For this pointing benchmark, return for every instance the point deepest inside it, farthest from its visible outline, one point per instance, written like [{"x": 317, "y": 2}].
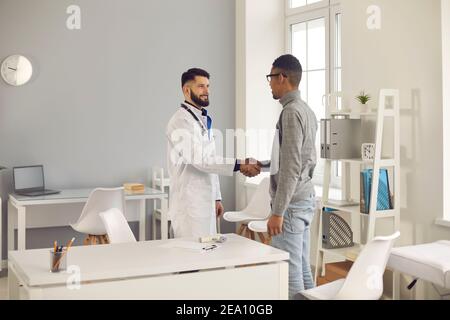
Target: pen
[{"x": 55, "y": 246}]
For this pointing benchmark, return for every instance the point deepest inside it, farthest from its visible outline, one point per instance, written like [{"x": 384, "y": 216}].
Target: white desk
[
  {"x": 239, "y": 269},
  {"x": 21, "y": 203}
]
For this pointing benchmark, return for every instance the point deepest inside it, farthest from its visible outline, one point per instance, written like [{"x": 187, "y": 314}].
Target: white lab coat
[{"x": 193, "y": 168}]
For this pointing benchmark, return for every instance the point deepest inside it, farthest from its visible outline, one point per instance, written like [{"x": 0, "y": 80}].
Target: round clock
[{"x": 16, "y": 70}]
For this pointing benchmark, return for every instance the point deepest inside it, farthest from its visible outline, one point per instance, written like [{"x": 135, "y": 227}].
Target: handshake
[{"x": 250, "y": 168}]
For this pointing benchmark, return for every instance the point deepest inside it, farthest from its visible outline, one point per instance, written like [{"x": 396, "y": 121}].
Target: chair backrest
[
  {"x": 100, "y": 199},
  {"x": 365, "y": 279},
  {"x": 259, "y": 205},
  {"x": 159, "y": 181},
  {"x": 116, "y": 226}
]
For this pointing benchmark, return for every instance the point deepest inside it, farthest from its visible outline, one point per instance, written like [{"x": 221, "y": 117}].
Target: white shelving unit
[{"x": 353, "y": 211}]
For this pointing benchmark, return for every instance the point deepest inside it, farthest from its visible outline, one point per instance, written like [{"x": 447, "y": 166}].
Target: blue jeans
[{"x": 295, "y": 239}]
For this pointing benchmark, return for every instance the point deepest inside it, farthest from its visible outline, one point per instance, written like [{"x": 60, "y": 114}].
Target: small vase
[{"x": 364, "y": 108}]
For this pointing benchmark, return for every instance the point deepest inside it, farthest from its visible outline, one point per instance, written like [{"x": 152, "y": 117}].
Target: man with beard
[{"x": 195, "y": 198}]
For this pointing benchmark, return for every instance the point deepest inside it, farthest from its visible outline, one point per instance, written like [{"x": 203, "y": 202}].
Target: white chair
[
  {"x": 364, "y": 280},
  {"x": 90, "y": 223},
  {"x": 260, "y": 227},
  {"x": 162, "y": 183},
  {"x": 116, "y": 226},
  {"x": 159, "y": 182},
  {"x": 257, "y": 209}
]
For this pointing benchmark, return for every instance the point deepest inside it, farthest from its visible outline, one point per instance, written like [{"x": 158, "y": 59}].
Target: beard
[{"x": 197, "y": 100}]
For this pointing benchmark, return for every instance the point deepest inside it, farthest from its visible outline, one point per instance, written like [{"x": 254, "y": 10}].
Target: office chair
[
  {"x": 260, "y": 227},
  {"x": 116, "y": 226},
  {"x": 90, "y": 223},
  {"x": 159, "y": 182},
  {"x": 257, "y": 209},
  {"x": 364, "y": 280}
]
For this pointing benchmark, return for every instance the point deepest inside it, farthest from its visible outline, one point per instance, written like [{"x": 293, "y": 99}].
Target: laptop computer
[{"x": 29, "y": 181}]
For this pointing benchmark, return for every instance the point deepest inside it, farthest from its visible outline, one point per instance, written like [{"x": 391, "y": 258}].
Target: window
[
  {"x": 301, "y": 3},
  {"x": 314, "y": 37}
]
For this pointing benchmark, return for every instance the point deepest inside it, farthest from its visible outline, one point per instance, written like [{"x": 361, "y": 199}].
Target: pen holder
[{"x": 58, "y": 261}]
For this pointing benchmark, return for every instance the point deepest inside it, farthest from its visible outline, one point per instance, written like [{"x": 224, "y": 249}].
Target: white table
[
  {"x": 21, "y": 204},
  {"x": 239, "y": 269}
]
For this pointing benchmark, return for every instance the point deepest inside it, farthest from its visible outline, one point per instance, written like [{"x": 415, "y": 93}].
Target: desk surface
[
  {"x": 79, "y": 195},
  {"x": 141, "y": 259}
]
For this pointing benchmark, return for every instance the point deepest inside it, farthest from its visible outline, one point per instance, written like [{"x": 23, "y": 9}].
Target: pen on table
[{"x": 210, "y": 247}]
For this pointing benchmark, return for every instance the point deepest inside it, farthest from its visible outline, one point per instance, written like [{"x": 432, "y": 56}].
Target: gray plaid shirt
[{"x": 295, "y": 159}]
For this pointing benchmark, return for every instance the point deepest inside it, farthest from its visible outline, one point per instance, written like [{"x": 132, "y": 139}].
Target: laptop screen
[{"x": 29, "y": 178}]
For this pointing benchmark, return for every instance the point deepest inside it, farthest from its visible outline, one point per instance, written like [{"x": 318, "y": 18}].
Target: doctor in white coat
[{"x": 195, "y": 198}]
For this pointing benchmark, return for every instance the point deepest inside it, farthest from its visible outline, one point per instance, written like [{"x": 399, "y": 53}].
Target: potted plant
[{"x": 363, "y": 98}]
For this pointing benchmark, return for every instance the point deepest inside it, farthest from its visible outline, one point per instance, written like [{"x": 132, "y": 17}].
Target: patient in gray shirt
[
  {"x": 296, "y": 136},
  {"x": 292, "y": 167}
]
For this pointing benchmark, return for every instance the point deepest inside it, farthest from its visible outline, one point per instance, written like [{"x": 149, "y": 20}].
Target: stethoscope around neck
[{"x": 200, "y": 123}]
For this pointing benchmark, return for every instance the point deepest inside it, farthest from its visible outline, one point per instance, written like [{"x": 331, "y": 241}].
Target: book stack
[
  {"x": 134, "y": 187},
  {"x": 384, "y": 198}
]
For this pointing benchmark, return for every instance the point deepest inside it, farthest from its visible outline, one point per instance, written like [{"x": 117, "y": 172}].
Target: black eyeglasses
[{"x": 269, "y": 76}]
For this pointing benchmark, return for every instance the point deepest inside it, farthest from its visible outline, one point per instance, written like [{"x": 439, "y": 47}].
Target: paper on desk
[{"x": 184, "y": 245}]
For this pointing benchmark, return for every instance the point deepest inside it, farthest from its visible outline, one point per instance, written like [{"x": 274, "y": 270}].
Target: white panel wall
[
  {"x": 446, "y": 110},
  {"x": 406, "y": 53},
  {"x": 260, "y": 40}
]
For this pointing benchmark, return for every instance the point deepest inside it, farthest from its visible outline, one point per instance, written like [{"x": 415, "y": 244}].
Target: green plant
[{"x": 363, "y": 98}]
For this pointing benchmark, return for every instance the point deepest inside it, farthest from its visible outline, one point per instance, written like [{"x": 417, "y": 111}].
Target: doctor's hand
[
  {"x": 251, "y": 168},
  {"x": 219, "y": 209},
  {"x": 275, "y": 225}
]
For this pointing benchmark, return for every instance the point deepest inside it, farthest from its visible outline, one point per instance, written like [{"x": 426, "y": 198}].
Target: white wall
[
  {"x": 260, "y": 40},
  {"x": 405, "y": 54},
  {"x": 446, "y": 109},
  {"x": 96, "y": 108}
]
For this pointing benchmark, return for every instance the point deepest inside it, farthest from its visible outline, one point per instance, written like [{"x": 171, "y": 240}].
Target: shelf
[
  {"x": 350, "y": 253},
  {"x": 363, "y": 225},
  {"x": 386, "y": 162},
  {"x": 353, "y": 114},
  {"x": 349, "y": 209},
  {"x": 356, "y": 210},
  {"x": 387, "y": 113}
]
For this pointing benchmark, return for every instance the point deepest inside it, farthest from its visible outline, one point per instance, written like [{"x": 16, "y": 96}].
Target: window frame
[
  {"x": 326, "y": 9},
  {"x": 303, "y": 9}
]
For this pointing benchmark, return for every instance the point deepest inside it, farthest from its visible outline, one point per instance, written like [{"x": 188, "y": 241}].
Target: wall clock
[{"x": 16, "y": 70}]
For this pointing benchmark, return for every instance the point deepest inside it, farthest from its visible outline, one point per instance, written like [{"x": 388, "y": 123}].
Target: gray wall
[{"x": 95, "y": 110}]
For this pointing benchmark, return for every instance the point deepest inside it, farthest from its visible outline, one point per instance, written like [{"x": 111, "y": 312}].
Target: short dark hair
[
  {"x": 292, "y": 68},
  {"x": 191, "y": 74}
]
